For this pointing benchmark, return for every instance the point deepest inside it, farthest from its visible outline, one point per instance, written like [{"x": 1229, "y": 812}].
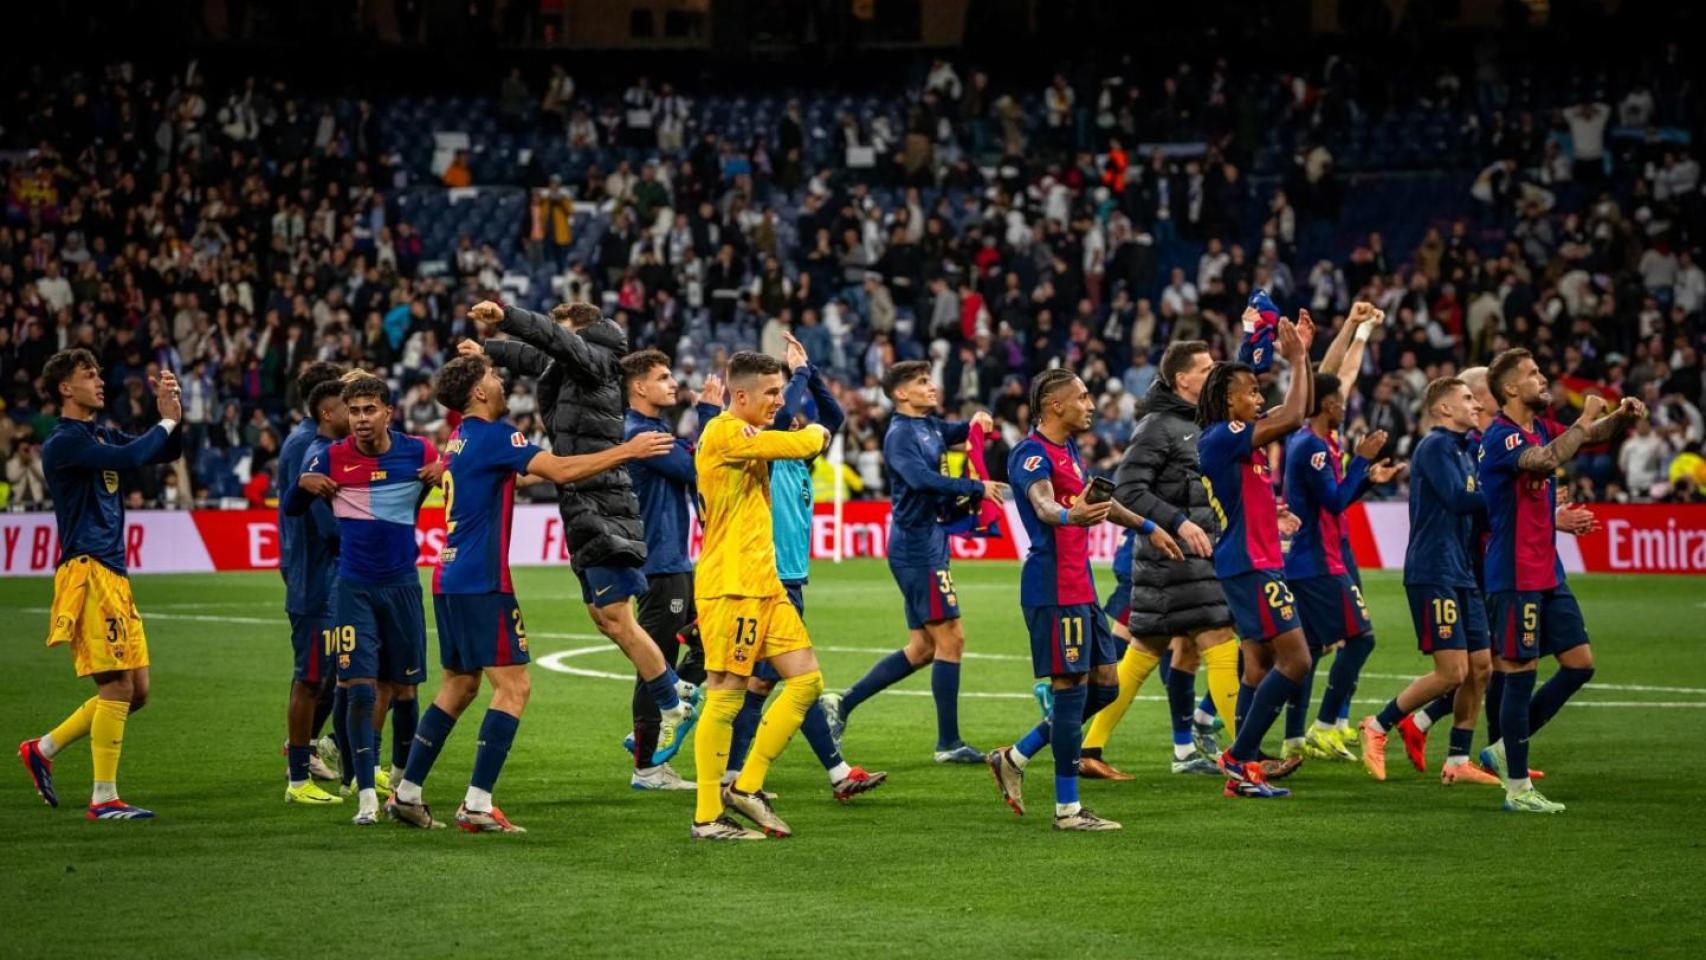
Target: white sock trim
[
  {"x": 105, "y": 791},
  {"x": 840, "y": 772},
  {"x": 46, "y": 745},
  {"x": 477, "y": 800}
]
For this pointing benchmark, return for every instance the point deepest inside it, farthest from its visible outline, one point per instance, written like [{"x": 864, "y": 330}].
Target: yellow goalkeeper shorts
[
  {"x": 94, "y": 612},
  {"x": 739, "y": 632}
]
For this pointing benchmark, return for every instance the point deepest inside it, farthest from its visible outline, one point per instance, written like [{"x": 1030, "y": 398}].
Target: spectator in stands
[
  {"x": 24, "y": 475},
  {"x": 458, "y": 174}
]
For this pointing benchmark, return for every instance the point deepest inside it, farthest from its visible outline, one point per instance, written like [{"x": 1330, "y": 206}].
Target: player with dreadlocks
[{"x": 1247, "y": 558}]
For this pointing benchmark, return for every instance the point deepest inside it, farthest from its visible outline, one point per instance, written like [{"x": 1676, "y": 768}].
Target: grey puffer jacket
[
  {"x": 582, "y": 405},
  {"x": 1159, "y": 479}
]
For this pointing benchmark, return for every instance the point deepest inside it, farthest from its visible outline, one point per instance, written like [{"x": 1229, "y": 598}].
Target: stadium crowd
[{"x": 232, "y": 233}]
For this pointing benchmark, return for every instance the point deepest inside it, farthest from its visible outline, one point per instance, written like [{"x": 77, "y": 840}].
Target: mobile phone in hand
[{"x": 1100, "y": 491}]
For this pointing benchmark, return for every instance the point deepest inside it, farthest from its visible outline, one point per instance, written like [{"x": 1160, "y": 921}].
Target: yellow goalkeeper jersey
[{"x": 738, "y": 556}]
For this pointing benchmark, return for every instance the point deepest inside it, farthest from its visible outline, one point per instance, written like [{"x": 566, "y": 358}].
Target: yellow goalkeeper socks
[
  {"x": 70, "y": 730},
  {"x": 1135, "y": 667},
  {"x": 781, "y": 721},
  {"x": 106, "y": 742},
  {"x": 711, "y": 739},
  {"x": 1221, "y": 664}
]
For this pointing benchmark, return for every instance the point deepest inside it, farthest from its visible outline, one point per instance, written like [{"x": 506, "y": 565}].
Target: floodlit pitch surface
[{"x": 932, "y": 864}]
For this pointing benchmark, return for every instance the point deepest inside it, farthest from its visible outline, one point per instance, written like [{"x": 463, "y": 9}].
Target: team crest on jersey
[
  {"x": 1031, "y": 463},
  {"x": 1444, "y": 632},
  {"x": 376, "y": 476},
  {"x": 109, "y": 479},
  {"x": 1513, "y": 441},
  {"x": 1236, "y": 426},
  {"x": 677, "y": 605},
  {"x": 517, "y": 440},
  {"x": 1319, "y": 460},
  {"x": 1256, "y": 356},
  {"x": 1528, "y": 639}
]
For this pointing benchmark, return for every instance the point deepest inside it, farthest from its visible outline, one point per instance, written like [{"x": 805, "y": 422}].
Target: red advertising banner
[{"x": 1647, "y": 538}]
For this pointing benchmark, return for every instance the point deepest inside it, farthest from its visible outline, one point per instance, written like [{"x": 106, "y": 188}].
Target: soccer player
[
  {"x": 1439, "y": 580},
  {"x": 1530, "y": 607},
  {"x": 92, "y": 606},
  {"x": 1070, "y": 641},
  {"x": 1319, "y": 488},
  {"x": 921, "y": 493},
  {"x": 744, "y": 614},
  {"x": 375, "y": 478},
  {"x": 576, "y": 354},
  {"x": 308, "y": 550},
  {"x": 664, "y": 486},
  {"x": 805, "y": 400},
  {"x": 1247, "y": 558},
  {"x": 480, "y": 629}
]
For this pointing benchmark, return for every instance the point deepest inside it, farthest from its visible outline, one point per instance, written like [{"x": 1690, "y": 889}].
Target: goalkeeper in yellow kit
[{"x": 744, "y": 613}]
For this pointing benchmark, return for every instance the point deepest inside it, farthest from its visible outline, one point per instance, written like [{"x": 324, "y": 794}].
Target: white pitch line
[{"x": 558, "y": 662}]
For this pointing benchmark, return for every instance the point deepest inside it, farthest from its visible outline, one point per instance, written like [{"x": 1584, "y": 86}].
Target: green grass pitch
[{"x": 931, "y": 865}]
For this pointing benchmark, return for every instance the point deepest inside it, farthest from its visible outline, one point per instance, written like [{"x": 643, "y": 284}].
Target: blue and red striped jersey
[
  {"x": 480, "y": 465},
  {"x": 1057, "y": 565},
  {"x": 375, "y": 505},
  {"x": 1522, "y": 553},
  {"x": 1241, "y": 491}
]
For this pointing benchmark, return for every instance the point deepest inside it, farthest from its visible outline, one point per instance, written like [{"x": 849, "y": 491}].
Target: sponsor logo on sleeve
[
  {"x": 517, "y": 440},
  {"x": 1236, "y": 426},
  {"x": 1319, "y": 460},
  {"x": 1031, "y": 463}
]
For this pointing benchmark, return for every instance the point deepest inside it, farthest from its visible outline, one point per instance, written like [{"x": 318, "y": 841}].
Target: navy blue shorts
[
  {"x": 1069, "y": 639},
  {"x": 1118, "y": 606},
  {"x": 311, "y": 642},
  {"x": 1262, "y": 605},
  {"x": 796, "y": 596},
  {"x": 1528, "y": 624},
  {"x": 479, "y": 630},
  {"x": 381, "y": 632},
  {"x": 603, "y": 586},
  {"x": 1331, "y": 608},
  {"x": 1448, "y": 618},
  {"x": 929, "y": 594}
]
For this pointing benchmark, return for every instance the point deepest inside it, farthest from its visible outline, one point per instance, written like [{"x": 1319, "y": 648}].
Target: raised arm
[
  {"x": 86, "y": 451},
  {"x": 1294, "y": 344},
  {"x": 793, "y": 397},
  {"x": 1563, "y": 448},
  {"x": 777, "y": 444},
  {"x": 902, "y": 453},
  {"x": 1335, "y": 495},
  {"x": 556, "y": 340},
  {"x": 829, "y": 412}
]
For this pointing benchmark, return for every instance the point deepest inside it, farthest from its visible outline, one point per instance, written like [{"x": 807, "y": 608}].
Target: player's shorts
[
  {"x": 94, "y": 612},
  {"x": 1118, "y": 607},
  {"x": 1069, "y": 639},
  {"x": 380, "y": 632},
  {"x": 1331, "y": 608},
  {"x": 1350, "y": 560},
  {"x": 739, "y": 632},
  {"x": 1448, "y": 618},
  {"x": 796, "y": 596},
  {"x": 603, "y": 586},
  {"x": 479, "y": 630},
  {"x": 1528, "y": 624},
  {"x": 928, "y": 593},
  {"x": 1262, "y": 605},
  {"x": 310, "y": 644},
  {"x": 666, "y": 608}
]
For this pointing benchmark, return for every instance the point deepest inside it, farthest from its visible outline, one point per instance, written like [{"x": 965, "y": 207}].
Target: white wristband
[
  {"x": 1363, "y": 330},
  {"x": 169, "y": 424}
]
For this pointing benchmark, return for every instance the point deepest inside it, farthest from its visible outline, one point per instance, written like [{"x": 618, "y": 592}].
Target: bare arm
[
  {"x": 1080, "y": 514},
  {"x": 1563, "y": 448},
  {"x": 573, "y": 468},
  {"x": 1352, "y": 344},
  {"x": 1160, "y": 538}
]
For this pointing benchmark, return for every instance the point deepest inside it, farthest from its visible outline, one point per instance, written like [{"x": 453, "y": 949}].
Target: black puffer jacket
[
  {"x": 1159, "y": 479},
  {"x": 582, "y": 405}
]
